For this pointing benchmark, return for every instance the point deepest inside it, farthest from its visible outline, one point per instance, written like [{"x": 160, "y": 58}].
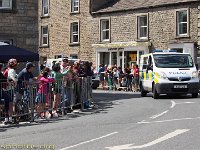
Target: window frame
[
  {"x": 72, "y": 33},
  {"x": 11, "y": 5},
  {"x": 138, "y": 18},
  {"x": 73, "y": 6},
  {"x": 44, "y": 35},
  {"x": 43, "y": 8},
  {"x": 10, "y": 42},
  {"x": 178, "y": 23},
  {"x": 104, "y": 30}
]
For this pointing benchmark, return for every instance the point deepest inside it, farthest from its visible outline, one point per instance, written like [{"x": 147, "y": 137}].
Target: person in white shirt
[{"x": 12, "y": 80}]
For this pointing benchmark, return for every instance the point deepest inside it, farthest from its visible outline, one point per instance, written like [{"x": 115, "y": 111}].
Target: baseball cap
[{"x": 29, "y": 65}]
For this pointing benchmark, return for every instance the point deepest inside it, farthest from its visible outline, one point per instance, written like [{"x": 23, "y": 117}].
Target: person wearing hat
[
  {"x": 25, "y": 77},
  {"x": 10, "y": 91}
]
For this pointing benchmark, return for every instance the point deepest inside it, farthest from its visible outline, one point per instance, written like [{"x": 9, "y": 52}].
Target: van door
[
  {"x": 143, "y": 68},
  {"x": 149, "y": 73}
]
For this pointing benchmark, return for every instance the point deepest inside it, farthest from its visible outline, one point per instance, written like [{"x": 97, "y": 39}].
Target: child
[{"x": 42, "y": 94}]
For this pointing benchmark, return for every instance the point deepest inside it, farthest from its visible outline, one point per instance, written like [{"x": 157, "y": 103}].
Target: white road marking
[
  {"x": 173, "y": 104},
  {"x": 186, "y": 103},
  {"x": 92, "y": 140},
  {"x": 156, "y": 116},
  {"x": 161, "y": 139},
  {"x": 145, "y": 122}
]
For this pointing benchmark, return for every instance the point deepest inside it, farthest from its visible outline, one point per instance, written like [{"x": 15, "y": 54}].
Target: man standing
[
  {"x": 25, "y": 77},
  {"x": 66, "y": 83}
]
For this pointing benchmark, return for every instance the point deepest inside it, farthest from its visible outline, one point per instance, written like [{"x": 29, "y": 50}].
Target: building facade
[
  {"x": 19, "y": 23},
  {"x": 65, "y": 29},
  {"x": 124, "y": 30}
]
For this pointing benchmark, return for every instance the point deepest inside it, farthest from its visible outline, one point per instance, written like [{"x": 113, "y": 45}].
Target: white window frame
[
  {"x": 178, "y": 22},
  {"x": 73, "y": 6},
  {"x": 45, "y": 6},
  {"x": 44, "y": 36},
  {"x": 74, "y": 33},
  {"x": 139, "y": 17},
  {"x": 6, "y": 7},
  {"x": 9, "y": 42},
  {"x": 103, "y": 31}
]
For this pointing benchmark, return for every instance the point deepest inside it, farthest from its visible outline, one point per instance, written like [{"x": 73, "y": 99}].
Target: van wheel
[
  {"x": 194, "y": 95},
  {"x": 155, "y": 94},
  {"x": 143, "y": 92}
]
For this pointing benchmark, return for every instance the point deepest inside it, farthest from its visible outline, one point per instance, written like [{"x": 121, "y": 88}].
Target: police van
[{"x": 168, "y": 72}]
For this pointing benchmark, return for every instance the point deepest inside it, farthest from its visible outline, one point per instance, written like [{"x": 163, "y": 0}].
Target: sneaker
[
  {"x": 49, "y": 116},
  {"x": 55, "y": 115},
  {"x": 36, "y": 115}
]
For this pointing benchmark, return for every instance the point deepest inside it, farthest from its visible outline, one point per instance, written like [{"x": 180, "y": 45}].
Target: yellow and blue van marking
[{"x": 152, "y": 76}]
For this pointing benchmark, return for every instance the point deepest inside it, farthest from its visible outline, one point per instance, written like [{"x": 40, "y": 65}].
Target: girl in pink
[{"x": 42, "y": 94}]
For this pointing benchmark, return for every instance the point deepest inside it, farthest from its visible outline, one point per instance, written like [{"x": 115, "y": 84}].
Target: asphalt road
[{"x": 119, "y": 121}]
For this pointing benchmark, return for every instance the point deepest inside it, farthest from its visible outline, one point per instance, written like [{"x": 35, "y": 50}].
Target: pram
[{"x": 123, "y": 84}]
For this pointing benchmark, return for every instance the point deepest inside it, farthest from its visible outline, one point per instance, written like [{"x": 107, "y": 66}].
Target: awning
[{"x": 22, "y": 55}]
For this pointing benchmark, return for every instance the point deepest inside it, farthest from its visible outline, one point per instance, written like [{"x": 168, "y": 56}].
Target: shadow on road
[{"x": 103, "y": 100}]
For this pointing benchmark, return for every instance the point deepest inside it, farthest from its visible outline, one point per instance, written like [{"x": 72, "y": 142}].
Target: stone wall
[
  {"x": 21, "y": 24},
  {"x": 162, "y": 26},
  {"x": 58, "y": 22}
]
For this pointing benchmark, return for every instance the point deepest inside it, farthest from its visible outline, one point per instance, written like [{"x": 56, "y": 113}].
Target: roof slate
[{"x": 120, "y": 5}]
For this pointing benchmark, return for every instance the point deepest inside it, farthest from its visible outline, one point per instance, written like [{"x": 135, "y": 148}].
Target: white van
[{"x": 167, "y": 72}]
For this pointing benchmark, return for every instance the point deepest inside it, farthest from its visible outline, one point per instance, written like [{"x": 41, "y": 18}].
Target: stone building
[
  {"x": 123, "y": 30},
  {"x": 19, "y": 23},
  {"x": 65, "y": 29}
]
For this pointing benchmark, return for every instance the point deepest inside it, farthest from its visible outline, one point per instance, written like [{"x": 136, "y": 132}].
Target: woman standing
[
  {"x": 57, "y": 75},
  {"x": 12, "y": 81},
  {"x": 136, "y": 78}
]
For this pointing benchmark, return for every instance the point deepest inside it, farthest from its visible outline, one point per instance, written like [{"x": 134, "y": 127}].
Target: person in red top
[
  {"x": 136, "y": 77},
  {"x": 5, "y": 73},
  {"x": 43, "y": 91}
]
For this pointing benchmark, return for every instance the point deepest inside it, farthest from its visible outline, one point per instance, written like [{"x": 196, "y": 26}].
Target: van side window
[
  {"x": 150, "y": 61},
  {"x": 145, "y": 63}
]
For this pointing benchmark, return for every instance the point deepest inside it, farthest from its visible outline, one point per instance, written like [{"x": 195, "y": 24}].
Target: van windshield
[{"x": 173, "y": 60}]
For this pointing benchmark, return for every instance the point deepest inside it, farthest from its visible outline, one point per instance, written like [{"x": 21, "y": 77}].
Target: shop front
[{"x": 123, "y": 54}]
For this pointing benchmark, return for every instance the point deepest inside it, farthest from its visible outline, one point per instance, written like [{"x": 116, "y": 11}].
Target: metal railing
[{"x": 25, "y": 102}]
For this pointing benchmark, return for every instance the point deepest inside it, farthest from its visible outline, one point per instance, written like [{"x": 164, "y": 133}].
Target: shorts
[
  {"x": 57, "y": 90},
  {"x": 101, "y": 78},
  {"x": 40, "y": 98},
  {"x": 136, "y": 81},
  {"x": 7, "y": 96}
]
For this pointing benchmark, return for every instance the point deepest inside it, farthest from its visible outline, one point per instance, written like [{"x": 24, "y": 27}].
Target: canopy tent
[{"x": 22, "y": 55}]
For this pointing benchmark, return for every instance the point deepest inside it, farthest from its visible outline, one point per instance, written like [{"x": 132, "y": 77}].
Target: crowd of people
[
  {"x": 52, "y": 84},
  {"x": 13, "y": 86},
  {"x": 115, "y": 78}
]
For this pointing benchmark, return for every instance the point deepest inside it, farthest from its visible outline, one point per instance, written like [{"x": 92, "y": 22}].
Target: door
[
  {"x": 149, "y": 73},
  {"x": 113, "y": 58}
]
